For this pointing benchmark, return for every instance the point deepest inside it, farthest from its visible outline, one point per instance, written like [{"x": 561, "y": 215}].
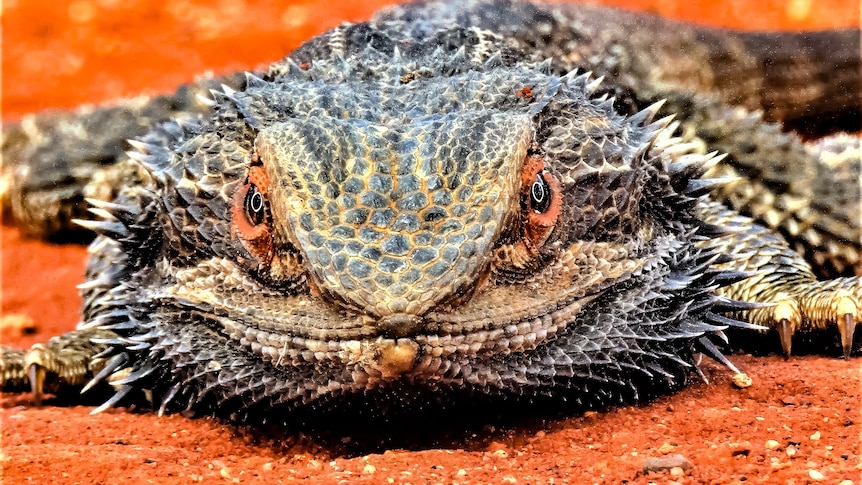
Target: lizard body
[{"x": 405, "y": 209}]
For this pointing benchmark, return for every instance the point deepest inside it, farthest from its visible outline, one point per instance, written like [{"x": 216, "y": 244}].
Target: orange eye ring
[
  {"x": 540, "y": 191},
  {"x": 250, "y": 217},
  {"x": 254, "y": 206}
]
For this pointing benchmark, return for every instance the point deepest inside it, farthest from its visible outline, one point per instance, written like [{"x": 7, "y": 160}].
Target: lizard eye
[
  {"x": 540, "y": 194},
  {"x": 254, "y": 206},
  {"x": 250, "y": 216},
  {"x": 541, "y": 200}
]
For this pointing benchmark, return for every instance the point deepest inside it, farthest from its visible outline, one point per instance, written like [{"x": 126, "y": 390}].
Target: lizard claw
[
  {"x": 39, "y": 361},
  {"x": 64, "y": 362},
  {"x": 846, "y": 328},
  {"x": 788, "y": 317},
  {"x": 785, "y": 333},
  {"x": 37, "y": 382},
  {"x": 840, "y": 308},
  {"x": 816, "y": 308}
]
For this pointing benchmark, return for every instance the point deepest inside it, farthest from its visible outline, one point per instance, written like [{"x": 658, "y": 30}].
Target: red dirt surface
[{"x": 798, "y": 423}]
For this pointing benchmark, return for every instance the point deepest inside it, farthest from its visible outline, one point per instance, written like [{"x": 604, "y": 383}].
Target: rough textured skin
[{"x": 422, "y": 209}]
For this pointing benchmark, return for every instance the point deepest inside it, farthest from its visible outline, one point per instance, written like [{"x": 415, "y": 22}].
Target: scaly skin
[{"x": 405, "y": 211}]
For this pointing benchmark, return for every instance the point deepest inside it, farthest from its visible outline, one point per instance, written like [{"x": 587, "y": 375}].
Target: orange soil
[{"x": 61, "y": 55}]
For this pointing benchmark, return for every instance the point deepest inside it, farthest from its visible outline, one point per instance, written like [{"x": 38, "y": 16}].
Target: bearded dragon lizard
[{"x": 453, "y": 199}]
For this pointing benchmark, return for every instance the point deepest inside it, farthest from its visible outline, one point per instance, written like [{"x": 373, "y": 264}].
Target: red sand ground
[{"x": 798, "y": 423}]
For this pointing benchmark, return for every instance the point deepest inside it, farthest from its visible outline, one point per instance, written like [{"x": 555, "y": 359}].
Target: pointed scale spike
[
  {"x": 105, "y": 205},
  {"x": 134, "y": 376},
  {"x": 227, "y": 90},
  {"x": 545, "y": 66},
  {"x": 101, "y": 282},
  {"x": 646, "y": 115},
  {"x": 698, "y": 187},
  {"x": 205, "y": 100},
  {"x": 683, "y": 149},
  {"x": 732, "y": 322},
  {"x": 101, "y": 214},
  {"x": 694, "y": 164},
  {"x": 496, "y": 60},
  {"x": 141, "y": 146},
  {"x": 252, "y": 81},
  {"x": 168, "y": 398},
  {"x": 716, "y": 354},
  {"x": 665, "y": 125},
  {"x": 114, "y": 230},
  {"x": 123, "y": 212},
  {"x": 141, "y": 158},
  {"x": 122, "y": 325},
  {"x": 217, "y": 95},
  {"x": 570, "y": 76},
  {"x": 339, "y": 60},
  {"x": 594, "y": 85},
  {"x": 712, "y": 159},
  {"x": 117, "y": 397},
  {"x": 584, "y": 78},
  {"x": 114, "y": 363},
  {"x": 438, "y": 53},
  {"x": 293, "y": 69},
  {"x": 728, "y": 277},
  {"x": 460, "y": 54},
  {"x": 724, "y": 304}
]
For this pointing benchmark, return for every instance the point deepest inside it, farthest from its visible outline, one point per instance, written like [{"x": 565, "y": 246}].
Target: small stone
[
  {"x": 845, "y": 482},
  {"x": 501, "y": 454},
  {"x": 267, "y": 467},
  {"x": 740, "y": 449},
  {"x": 815, "y": 475},
  {"x": 14, "y": 325},
  {"x": 369, "y": 469},
  {"x": 741, "y": 380},
  {"x": 654, "y": 464},
  {"x": 461, "y": 473},
  {"x": 772, "y": 444},
  {"x": 677, "y": 472},
  {"x": 791, "y": 451},
  {"x": 665, "y": 448},
  {"x": 815, "y": 436}
]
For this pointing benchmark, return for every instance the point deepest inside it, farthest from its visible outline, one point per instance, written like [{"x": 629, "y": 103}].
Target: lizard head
[
  {"x": 391, "y": 207},
  {"x": 392, "y": 218}
]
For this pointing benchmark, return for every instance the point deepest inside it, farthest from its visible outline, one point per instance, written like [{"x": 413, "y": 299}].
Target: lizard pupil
[
  {"x": 254, "y": 205},
  {"x": 540, "y": 195}
]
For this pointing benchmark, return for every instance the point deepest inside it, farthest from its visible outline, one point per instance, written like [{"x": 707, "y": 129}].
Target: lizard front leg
[
  {"x": 64, "y": 363},
  {"x": 798, "y": 301}
]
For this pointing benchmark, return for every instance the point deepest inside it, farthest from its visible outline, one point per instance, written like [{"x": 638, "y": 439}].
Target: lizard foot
[
  {"x": 817, "y": 306},
  {"x": 62, "y": 363}
]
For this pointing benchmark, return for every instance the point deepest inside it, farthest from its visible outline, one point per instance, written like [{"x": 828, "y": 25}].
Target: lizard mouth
[{"x": 303, "y": 328}]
